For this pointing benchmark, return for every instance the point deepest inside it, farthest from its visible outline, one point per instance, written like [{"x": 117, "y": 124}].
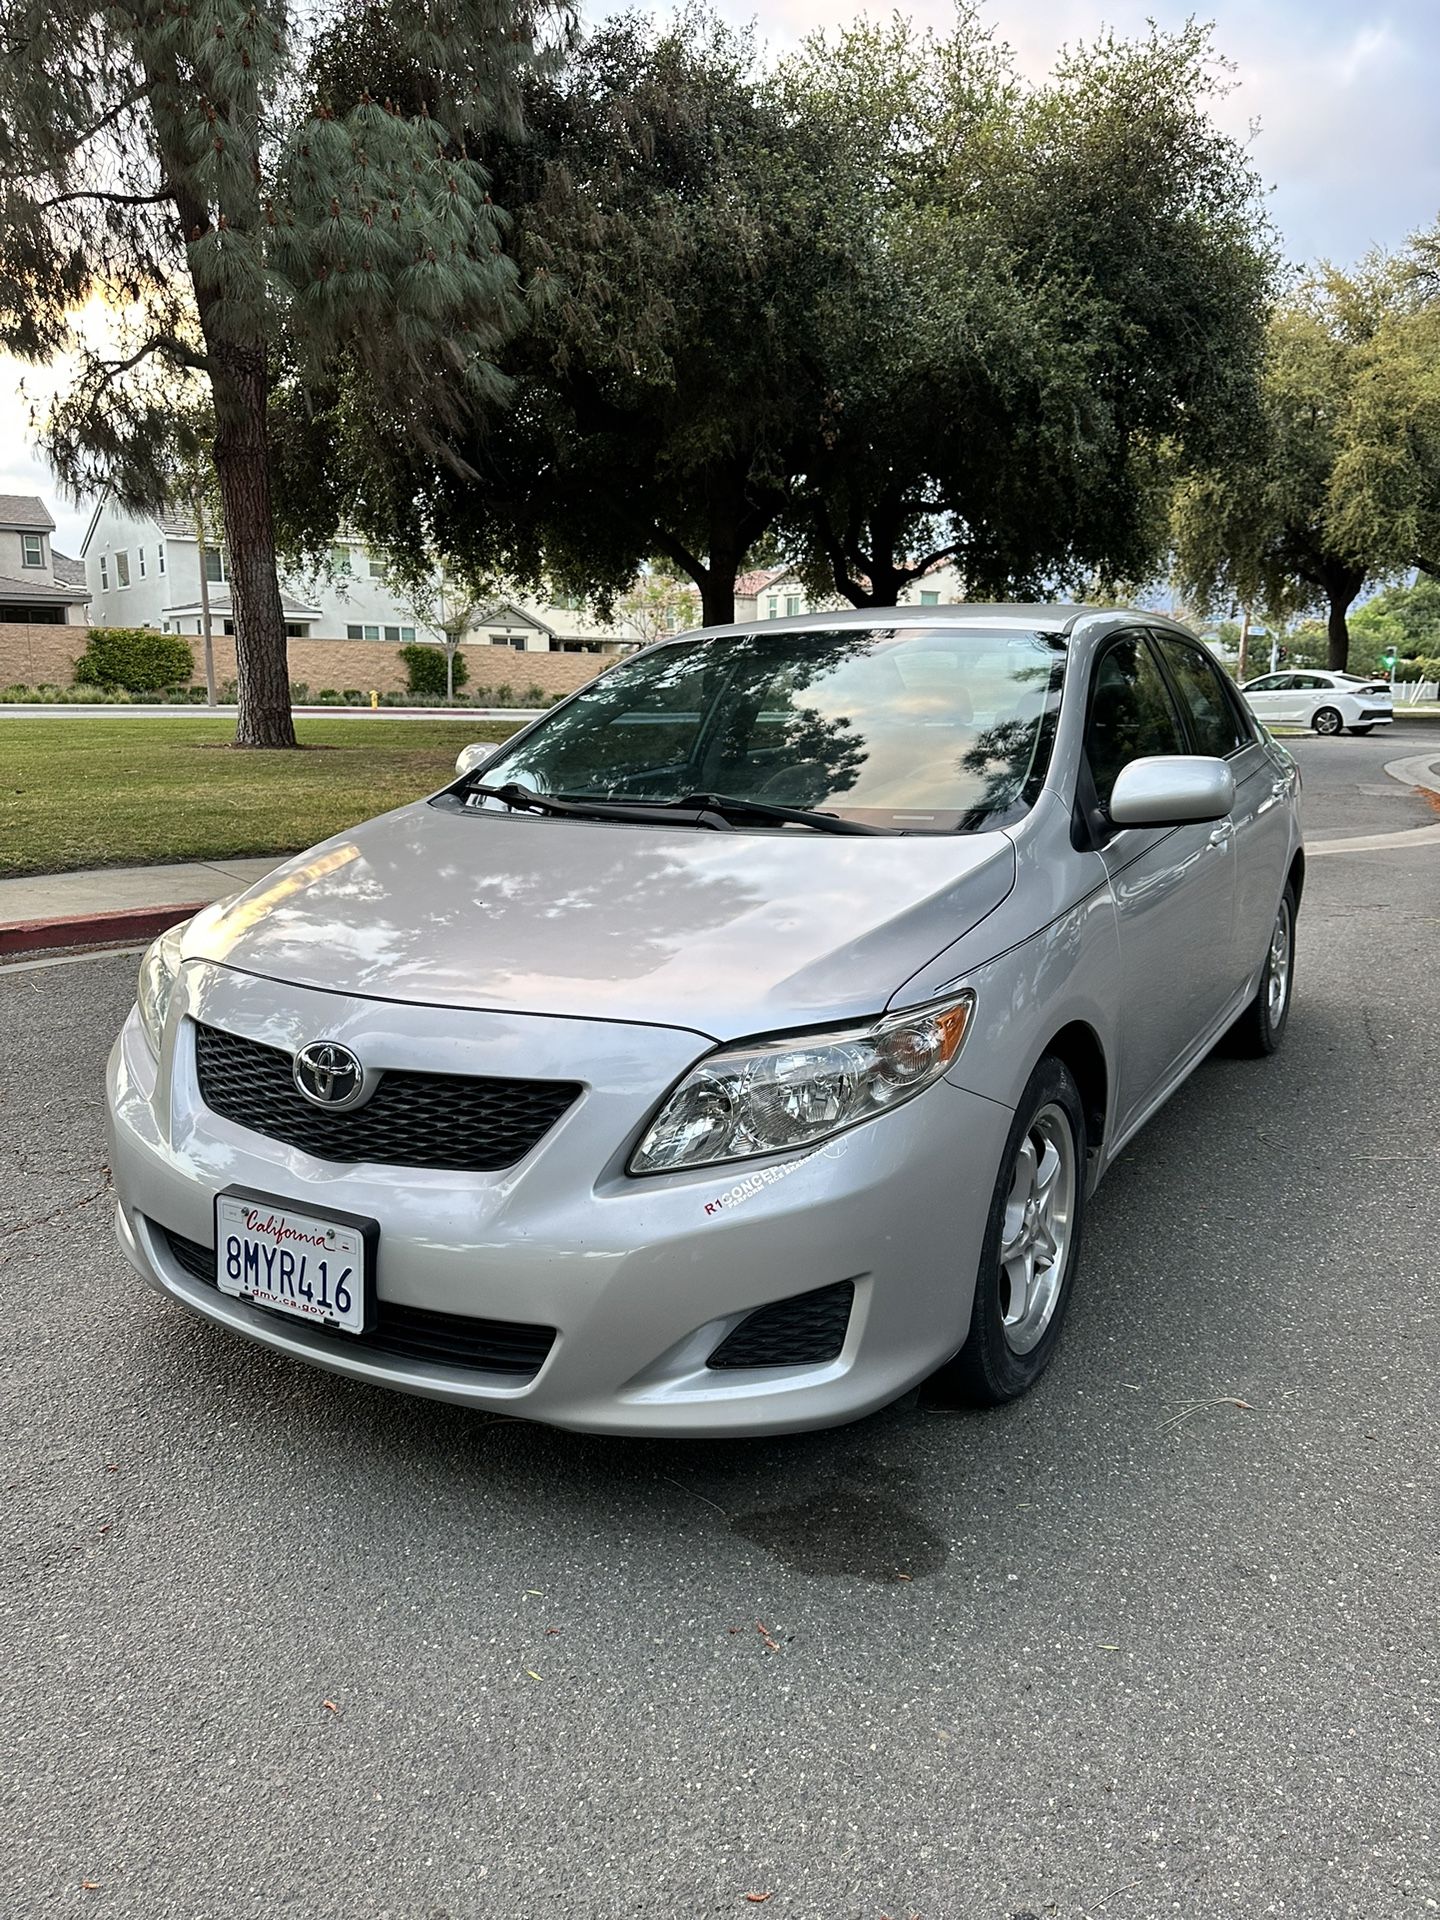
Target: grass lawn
[{"x": 97, "y": 793}]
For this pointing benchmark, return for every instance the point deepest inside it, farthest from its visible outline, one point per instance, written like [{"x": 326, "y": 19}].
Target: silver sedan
[{"x": 631, "y": 1083}]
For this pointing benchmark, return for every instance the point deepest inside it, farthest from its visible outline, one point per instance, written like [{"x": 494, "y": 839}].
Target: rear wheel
[
  {"x": 1327, "y": 720},
  {"x": 1031, "y": 1248},
  {"x": 1259, "y": 1029}
]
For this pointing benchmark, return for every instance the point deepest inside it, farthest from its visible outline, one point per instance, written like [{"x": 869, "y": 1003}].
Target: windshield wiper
[
  {"x": 728, "y": 804},
  {"x": 661, "y": 812},
  {"x": 712, "y": 810}
]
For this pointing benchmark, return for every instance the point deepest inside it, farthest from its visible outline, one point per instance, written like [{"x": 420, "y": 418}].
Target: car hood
[{"x": 723, "y": 933}]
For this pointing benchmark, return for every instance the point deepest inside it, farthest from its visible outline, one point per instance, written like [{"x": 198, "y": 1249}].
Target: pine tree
[{"x": 171, "y": 171}]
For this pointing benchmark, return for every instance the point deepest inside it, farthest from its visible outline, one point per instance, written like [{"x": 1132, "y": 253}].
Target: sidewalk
[{"x": 113, "y": 903}]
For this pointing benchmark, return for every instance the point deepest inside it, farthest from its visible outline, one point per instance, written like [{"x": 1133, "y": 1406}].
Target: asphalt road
[{"x": 1160, "y": 1640}]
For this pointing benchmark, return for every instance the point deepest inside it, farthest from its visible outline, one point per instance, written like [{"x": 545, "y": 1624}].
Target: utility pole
[{"x": 198, "y": 501}]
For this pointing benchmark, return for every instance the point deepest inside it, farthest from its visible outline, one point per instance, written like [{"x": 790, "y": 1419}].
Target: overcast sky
[{"x": 1343, "y": 92}]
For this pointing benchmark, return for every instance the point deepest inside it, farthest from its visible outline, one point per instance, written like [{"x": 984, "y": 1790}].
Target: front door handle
[{"x": 1221, "y": 834}]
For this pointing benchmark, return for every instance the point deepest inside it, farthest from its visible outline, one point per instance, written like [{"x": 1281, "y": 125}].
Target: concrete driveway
[{"x": 1160, "y": 1640}]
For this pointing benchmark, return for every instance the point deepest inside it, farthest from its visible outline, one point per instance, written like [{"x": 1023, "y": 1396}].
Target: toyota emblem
[{"x": 329, "y": 1075}]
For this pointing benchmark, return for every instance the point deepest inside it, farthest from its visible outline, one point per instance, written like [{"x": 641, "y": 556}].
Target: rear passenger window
[
  {"x": 1213, "y": 721},
  {"x": 1131, "y": 714}
]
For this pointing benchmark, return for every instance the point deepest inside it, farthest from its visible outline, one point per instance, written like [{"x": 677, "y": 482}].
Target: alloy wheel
[
  {"x": 1277, "y": 966},
  {"x": 1327, "y": 721},
  {"x": 1035, "y": 1243}
]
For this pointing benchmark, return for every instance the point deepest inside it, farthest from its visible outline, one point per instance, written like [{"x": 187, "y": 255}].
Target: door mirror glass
[
  {"x": 1172, "y": 790},
  {"x": 475, "y": 755}
]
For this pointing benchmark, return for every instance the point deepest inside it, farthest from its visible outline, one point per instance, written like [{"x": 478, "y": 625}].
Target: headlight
[
  {"x": 159, "y": 971},
  {"x": 781, "y": 1094}
]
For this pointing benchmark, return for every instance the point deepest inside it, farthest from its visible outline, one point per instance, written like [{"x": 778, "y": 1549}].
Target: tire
[
  {"x": 1260, "y": 1029},
  {"x": 1327, "y": 721},
  {"x": 1360, "y": 732},
  {"x": 997, "y": 1363}
]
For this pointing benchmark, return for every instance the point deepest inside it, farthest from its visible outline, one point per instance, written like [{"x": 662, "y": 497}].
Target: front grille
[
  {"x": 454, "y": 1122},
  {"x": 804, "y": 1331},
  {"x": 410, "y": 1333}
]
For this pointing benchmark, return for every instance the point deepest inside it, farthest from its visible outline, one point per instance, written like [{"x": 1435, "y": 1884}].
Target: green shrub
[
  {"x": 425, "y": 670},
  {"x": 299, "y": 692},
  {"x": 135, "y": 658},
  {"x": 327, "y": 697}
]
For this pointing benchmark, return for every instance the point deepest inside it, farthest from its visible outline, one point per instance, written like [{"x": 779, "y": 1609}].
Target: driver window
[{"x": 1130, "y": 713}]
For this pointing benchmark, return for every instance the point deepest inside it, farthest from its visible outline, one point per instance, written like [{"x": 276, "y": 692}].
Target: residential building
[
  {"x": 38, "y": 586},
  {"x": 775, "y": 593},
  {"x": 145, "y": 571}
]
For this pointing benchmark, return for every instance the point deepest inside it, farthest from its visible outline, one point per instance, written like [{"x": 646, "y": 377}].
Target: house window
[
  {"x": 792, "y": 603},
  {"x": 296, "y": 629},
  {"x": 215, "y": 568},
  {"x": 104, "y": 575},
  {"x": 506, "y": 640},
  {"x": 928, "y": 598},
  {"x": 377, "y": 566},
  {"x": 393, "y": 635},
  {"x": 140, "y": 556},
  {"x": 340, "y": 559},
  {"x": 354, "y": 633},
  {"x": 407, "y": 634},
  {"x": 34, "y": 549},
  {"x": 160, "y": 558},
  {"x": 372, "y": 633},
  {"x": 122, "y": 569},
  {"x": 772, "y": 607},
  {"x": 229, "y": 626}
]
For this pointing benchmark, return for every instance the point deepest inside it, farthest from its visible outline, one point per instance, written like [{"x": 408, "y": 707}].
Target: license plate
[{"x": 317, "y": 1267}]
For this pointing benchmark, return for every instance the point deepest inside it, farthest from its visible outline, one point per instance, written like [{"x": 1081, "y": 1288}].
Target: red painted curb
[{"x": 90, "y": 929}]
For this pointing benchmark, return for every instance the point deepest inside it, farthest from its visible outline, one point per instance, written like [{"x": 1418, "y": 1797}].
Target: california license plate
[{"x": 312, "y": 1266}]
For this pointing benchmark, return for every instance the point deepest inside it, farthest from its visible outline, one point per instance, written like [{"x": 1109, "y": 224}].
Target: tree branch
[
  {"x": 111, "y": 199},
  {"x": 165, "y": 343}
]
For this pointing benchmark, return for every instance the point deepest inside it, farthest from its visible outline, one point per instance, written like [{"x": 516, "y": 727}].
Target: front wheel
[
  {"x": 1327, "y": 720},
  {"x": 1260, "y": 1028},
  {"x": 1030, "y": 1251}
]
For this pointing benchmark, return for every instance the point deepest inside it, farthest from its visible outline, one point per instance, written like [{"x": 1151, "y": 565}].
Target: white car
[{"x": 1328, "y": 702}]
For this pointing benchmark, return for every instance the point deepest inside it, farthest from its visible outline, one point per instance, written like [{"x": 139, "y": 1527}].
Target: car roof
[{"x": 1040, "y": 616}]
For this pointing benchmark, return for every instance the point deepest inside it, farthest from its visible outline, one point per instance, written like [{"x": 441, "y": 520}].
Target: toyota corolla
[{"x": 735, "y": 1047}]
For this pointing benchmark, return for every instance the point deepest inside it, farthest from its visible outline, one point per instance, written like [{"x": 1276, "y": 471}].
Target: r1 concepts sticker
[{"x": 763, "y": 1177}]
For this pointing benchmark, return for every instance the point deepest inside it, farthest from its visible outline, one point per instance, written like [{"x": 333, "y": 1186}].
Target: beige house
[
  {"x": 775, "y": 593},
  {"x": 38, "y": 586}
]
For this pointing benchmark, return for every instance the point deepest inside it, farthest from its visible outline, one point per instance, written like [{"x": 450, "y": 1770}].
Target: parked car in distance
[
  {"x": 630, "y": 1083},
  {"x": 1328, "y": 702}
]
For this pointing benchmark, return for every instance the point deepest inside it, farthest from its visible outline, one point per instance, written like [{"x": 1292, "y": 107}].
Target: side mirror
[
  {"x": 475, "y": 755},
  {"x": 1172, "y": 790}
]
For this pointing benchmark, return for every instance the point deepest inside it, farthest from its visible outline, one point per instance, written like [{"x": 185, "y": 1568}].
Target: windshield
[{"x": 912, "y": 729}]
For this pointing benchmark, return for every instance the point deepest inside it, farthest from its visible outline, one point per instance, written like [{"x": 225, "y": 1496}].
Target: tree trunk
[
  {"x": 1341, "y": 587},
  {"x": 1242, "y": 657},
  {"x": 238, "y": 381},
  {"x": 717, "y": 597},
  {"x": 449, "y": 673}
]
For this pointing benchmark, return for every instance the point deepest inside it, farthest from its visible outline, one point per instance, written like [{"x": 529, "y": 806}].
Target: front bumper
[{"x": 642, "y": 1279}]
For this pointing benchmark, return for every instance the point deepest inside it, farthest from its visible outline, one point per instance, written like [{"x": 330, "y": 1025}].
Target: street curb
[{"x": 93, "y": 929}]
